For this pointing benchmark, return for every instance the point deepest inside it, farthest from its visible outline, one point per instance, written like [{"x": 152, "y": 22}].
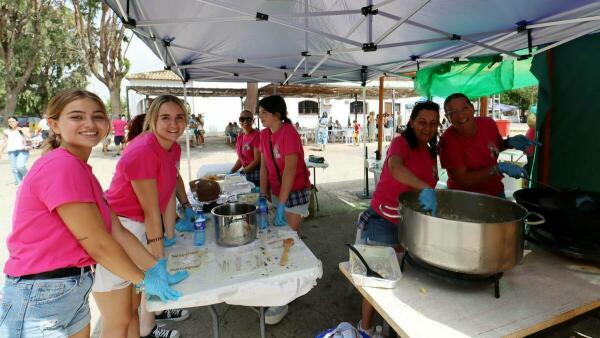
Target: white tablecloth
[{"x": 268, "y": 285}]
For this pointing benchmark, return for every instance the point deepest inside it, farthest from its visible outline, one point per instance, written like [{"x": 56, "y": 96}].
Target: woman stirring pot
[{"x": 410, "y": 164}]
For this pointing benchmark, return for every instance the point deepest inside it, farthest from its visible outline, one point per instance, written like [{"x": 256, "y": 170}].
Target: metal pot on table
[
  {"x": 235, "y": 224},
  {"x": 473, "y": 233}
]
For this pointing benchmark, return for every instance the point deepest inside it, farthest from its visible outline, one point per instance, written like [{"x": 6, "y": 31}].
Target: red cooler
[{"x": 503, "y": 127}]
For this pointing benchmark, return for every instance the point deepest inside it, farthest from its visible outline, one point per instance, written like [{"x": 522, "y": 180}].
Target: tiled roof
[{"x": 160, "y": 75}]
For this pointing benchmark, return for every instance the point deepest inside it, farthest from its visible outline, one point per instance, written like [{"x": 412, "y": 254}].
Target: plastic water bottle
[
  {"x": 262, "y": 213},
  {"x": 378, "y": 332},
  {"x": 199, "y": 229}
]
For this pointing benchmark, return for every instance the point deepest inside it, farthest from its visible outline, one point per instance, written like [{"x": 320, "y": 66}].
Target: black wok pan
[{"x": 563, "y": 216}]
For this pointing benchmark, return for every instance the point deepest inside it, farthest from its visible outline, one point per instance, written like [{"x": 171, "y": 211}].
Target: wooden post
[
  {"x": 251, "y": 96},
  {"x": 483, "y": 106},
  {"x": 380, "y": 120}
]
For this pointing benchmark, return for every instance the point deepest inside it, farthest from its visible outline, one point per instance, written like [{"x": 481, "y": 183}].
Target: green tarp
[
  {"x": 483, "y": 76},
  {"x": 570, "y": 90}
]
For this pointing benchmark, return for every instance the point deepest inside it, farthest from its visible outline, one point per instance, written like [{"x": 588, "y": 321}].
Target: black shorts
[{"x": 119, "y": 140}]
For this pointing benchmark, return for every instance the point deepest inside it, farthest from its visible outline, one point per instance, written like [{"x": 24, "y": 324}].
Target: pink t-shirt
[
  {"x": 473, "y": 153},
  {"x": 40, "y": 241},
  {"x": 245, "y": 145},
  {"x": 119, "y": 127},
  {"x": 285, "y": 141},
  {"x": 143, "y": 159},
  {"x": 418, "y": 161}
]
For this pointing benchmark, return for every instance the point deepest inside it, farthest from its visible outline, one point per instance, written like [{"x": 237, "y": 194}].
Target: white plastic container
[{"x": 381, "y": 259}]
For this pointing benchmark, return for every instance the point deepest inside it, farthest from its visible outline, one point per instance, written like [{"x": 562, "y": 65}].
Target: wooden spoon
[{"x": 287, "y": 244}]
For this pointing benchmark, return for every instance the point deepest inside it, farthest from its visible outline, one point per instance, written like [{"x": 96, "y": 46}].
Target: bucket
[{"x": 503, "y": 127}]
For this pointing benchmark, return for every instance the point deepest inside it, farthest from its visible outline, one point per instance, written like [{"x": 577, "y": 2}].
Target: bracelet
[
  {"x": 154, "y": 240},
  {"x": 140, "y": 287}
]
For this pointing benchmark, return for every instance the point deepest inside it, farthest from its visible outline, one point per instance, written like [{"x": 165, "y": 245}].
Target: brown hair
[
  {"x": 152, "y": 114},
  {"x": 58, "y": 103},
  {"x": 135, "y": 127}
]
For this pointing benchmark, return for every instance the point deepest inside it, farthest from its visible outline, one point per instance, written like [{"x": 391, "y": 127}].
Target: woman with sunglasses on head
[
  {"x": 62, "y": 226},
  {"x": 247, "y": 148},
  {"x": 142, "y": 194}
]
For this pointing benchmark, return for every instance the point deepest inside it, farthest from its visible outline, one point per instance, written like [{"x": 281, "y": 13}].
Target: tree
[
  {"x": 21, "y": 34},
  {"x": 522, "y": 97},
  {"x": 58, "y": 68},
  {"x": 102, "y": 37}
]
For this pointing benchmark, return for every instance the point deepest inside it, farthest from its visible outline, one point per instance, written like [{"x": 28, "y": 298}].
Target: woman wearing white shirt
[{"x": 16, "y": 139}]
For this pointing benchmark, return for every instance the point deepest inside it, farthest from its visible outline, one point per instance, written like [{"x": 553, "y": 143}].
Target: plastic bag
[{"x": 342, "y": 330}]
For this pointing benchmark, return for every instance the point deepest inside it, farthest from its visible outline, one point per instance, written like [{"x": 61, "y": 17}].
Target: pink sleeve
[
  {"x": 62, "y": 186},
  {"x": 256, "y": 140},
  {"x": 141, "y": 165},
  {"x": 261, "y": 141},
  {"x": 451, "y": 157},
  {"x": 399, "y": 147},
  {"x": 291, "y": 142}
]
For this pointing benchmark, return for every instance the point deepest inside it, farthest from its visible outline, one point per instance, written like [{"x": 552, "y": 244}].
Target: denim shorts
[
  {"x": 378, "y": 230},
  {"x": 49, "y": 308}
]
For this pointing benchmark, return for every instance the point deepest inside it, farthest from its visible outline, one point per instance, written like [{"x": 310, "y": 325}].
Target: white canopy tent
[
  {"x": 308, "y": 41},
  {"x": 313, "y": 41}
]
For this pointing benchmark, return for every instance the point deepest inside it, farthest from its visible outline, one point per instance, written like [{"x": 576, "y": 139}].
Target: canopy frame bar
[
  {"x": 151, "y": 23},
  {"x": 295, "y": 69},
  {"x": 399, "y": 23},
  {"x": 282, "y": 22}
]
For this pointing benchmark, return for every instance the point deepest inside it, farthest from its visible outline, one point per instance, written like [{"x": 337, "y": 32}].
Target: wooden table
[{"x": 543, "y": 291}]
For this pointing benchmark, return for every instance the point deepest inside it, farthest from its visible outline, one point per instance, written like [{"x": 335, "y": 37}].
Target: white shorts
[
  {"x": 107, "y": 281},
  {"x": 301, "y": 209}
]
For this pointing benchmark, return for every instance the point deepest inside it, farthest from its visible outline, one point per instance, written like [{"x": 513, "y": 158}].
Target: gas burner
[
  {"x": 579, "y": 249},
  {"x": 451, "y": 276}
]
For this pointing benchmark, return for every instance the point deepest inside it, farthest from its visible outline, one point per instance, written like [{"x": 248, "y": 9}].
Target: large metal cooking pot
[
  {"x": 563, "y": 216},
  {"x": 473, "y": 233},
  {"x": 235, "y": 224}
]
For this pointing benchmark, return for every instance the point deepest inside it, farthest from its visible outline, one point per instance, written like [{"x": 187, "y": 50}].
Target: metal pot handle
[
  {"x": 538, "y": 215},
  {"x": 382, "y": 206}
]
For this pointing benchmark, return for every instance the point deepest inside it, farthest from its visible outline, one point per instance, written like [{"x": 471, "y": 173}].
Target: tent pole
[
  {"x": 380, "y": 120},
  {"x": 365, "y": 194},
  {"x": 393, "y": 112},
  {"x": 187, "y": 136}
]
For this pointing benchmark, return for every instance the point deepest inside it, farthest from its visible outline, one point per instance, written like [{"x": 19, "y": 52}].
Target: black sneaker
[
  {"x": 162, "y": 332},
  {"x": 175, "y": 315}
]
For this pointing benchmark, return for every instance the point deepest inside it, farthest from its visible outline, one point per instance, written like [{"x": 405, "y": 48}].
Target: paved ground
[{"x": 333, "y": 299}]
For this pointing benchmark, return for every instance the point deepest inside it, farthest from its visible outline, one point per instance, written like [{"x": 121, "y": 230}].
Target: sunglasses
[{"x": 246, "y": 119}]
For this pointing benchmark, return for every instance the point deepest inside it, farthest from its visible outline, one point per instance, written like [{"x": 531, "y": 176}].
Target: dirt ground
[{"x": 333, "y": 299}]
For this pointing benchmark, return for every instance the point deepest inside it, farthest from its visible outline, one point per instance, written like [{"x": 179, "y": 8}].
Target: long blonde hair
[
  {"x": 152, "y": 113},
  {"x": 56, "y": 106}
]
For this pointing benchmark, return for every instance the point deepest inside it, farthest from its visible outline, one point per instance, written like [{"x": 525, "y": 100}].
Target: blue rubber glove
[
  {"x": 512, "y": 170},
  {"x": 171, "y": 278},
  {"x": 280, "y": 215},
  {"x": 155, "y": 285},
  {"x": 184, "y": 225},
  {"x": 428, "y": 201},
  {"x": 169, "y": 242},
  {"x": 189, "y": 214},
  {"x": 521, "y": 142}
]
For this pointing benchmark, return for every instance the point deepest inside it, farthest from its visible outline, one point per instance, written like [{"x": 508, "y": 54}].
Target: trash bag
[{"x": 342, "y": 330}]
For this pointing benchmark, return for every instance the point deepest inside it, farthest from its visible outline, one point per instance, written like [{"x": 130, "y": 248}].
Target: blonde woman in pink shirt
[
  {"x": 62, "y": 226},
  {"x": 142, "y": 194}
]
